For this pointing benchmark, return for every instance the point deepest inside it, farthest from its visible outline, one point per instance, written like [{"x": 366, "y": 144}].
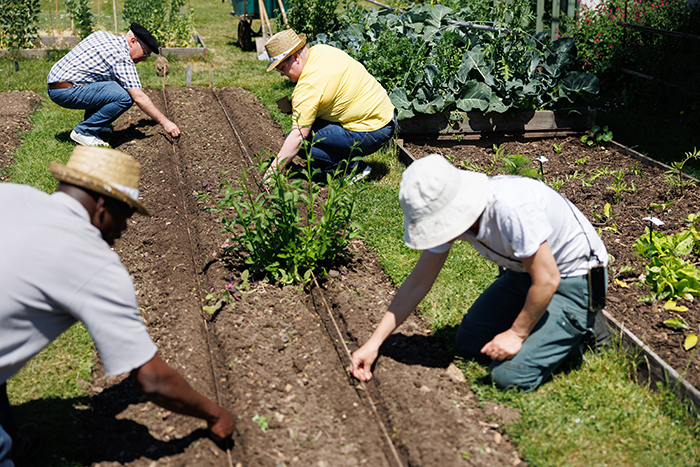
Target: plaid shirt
[{"x": 99, "y": 57}]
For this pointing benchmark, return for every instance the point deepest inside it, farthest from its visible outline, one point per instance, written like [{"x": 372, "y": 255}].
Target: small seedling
[
  {"x": 675, "y": 177},
  {"x": 582, "y": 161},
  {"x": 598, "y": 137},
  {"x": 558, "y": 148}
]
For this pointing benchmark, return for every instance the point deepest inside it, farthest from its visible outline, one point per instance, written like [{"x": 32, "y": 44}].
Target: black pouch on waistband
[{"x": 596, "y": 288}]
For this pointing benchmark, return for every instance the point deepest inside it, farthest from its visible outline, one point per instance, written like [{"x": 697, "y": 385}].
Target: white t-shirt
[
  {"x": 521, "y": 214},
  {"x": 55, "y": 269}
]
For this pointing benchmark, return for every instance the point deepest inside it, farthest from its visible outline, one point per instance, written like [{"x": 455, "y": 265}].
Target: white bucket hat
[{"x": 439, "y": 201}]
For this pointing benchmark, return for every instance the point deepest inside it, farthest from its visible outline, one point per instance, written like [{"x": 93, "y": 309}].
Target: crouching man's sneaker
[
  {"x": 358, "y": 171},
  {"x": 85, "y": 140}
]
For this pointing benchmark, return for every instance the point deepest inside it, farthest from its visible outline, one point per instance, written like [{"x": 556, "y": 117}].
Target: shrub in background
[
  {"x": 169, "y": 21},
  {"x": 429, "y": 64},
  {"x": 82, "y": 17},
  {"x": 312, "y": 17},
  {"x": 18, "y": 23},
  {"x": 604, "y": 46}
]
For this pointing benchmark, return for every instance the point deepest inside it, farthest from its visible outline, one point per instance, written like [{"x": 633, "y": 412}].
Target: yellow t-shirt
[{"x": 335, "y": 87}]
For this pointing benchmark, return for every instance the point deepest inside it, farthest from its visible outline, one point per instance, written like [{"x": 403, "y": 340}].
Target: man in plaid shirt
[{"x": 99, "y": 75}]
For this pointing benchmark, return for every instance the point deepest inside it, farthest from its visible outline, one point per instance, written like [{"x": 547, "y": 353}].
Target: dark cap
[{"x": 144, "y": 36}]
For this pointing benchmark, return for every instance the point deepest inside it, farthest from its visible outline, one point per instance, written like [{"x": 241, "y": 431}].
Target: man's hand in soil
[
  {"x": 362, "y": 361},
  {"x": 172, "y": 129},
  {"x": 221, "y": 430},
  {"x": 165, "y": 387}
]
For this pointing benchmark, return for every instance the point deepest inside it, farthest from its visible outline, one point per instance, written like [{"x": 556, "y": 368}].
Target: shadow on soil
[{"x": 86, "y": 430}]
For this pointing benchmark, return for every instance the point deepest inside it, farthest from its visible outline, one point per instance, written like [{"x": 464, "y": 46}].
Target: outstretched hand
[
  {"x": 362, "y": 361},
  {"x": 221, "y": 429}
]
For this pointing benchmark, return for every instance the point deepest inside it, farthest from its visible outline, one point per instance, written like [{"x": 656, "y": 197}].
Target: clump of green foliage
[
  {"x": 430, "y": 63},
  {"x": 671, "y": 272},
  {"x": 169, "y": 21},
  {"x": 18, "y": 23},
  {"x": 675, "y": 175},
  {"x": 603, "y": 45},
  {"x": 80, "y": 13},
  {"x": 290, "y": 232},
  {"x": 598, "y": 136},
  {"x": 312, "y": 17}
]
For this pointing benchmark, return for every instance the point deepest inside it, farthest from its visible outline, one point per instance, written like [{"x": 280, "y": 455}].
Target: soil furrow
[{"x": 274, "y": 364}]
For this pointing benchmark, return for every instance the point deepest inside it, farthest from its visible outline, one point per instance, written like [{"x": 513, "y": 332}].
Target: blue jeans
[
  {"x": 7, "y": 422},
  {"x": 333, "y": 144},
  {"x": 556, "y": 335},
  {"x": 103, "y": 102}
]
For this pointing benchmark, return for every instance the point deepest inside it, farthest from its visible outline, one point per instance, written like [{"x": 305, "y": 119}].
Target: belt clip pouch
[{"x": 596, "y": 288}]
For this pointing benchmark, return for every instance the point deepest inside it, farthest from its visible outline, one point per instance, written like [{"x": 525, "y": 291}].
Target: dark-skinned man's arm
[{"x": 165, "y": 387}]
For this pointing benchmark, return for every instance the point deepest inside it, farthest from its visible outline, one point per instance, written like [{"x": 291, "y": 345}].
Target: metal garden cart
[{"x": 247, "y": 10}]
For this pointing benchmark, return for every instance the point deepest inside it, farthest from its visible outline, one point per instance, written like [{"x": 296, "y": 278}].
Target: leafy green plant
[
  {"x": 675, "y": 177},
  {"x": 558, "y": 148},
  {"x": 518, "y": 164},
  {"x": 602, "y": 45},
  {"x": 80, "y": 13},
  {"x": 619, "y": 186},
  {"x": 430, "y": 64},
  {"x": 261, "y": 421},
  {"x": 169, "y": 21},
  {"x": 669, "y": 274},
  {"x": 604, "y": 219},
  {"x": 312, "y": 17},
  {"x": 233, "y": 291},
  {"x": 598, "y": 136},
  {"x": 18, "y": 23},
  {"x": 291, "y": 231},
  {"x": 582, "y": 161}
]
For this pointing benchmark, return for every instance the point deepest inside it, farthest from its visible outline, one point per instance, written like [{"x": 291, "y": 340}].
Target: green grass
[{"x": 589, "y": 414}]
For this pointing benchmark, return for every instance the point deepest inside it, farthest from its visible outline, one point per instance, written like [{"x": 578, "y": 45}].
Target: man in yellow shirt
[{"x": 336, "y": 101}]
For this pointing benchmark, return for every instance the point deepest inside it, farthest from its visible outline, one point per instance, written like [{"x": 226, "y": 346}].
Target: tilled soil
[
  {"x": 15, "y": 108},
  {"x": 575, "y": 163},
  {"x": 271, "y": 358},
  {"x": 277, "y": 358}
]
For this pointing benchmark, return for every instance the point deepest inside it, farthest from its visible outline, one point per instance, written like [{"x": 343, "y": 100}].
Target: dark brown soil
[
  {"x": 619, "y": 232},
  {"x": 271, "y": 358},
  {"x": 275, "y": 359},
  {"x": 15, "y": 109}
]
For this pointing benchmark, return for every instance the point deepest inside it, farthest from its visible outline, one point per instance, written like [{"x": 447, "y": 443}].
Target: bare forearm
[
  {"x": 536, "y": 302},
  {"x": 290, "y": 148}
]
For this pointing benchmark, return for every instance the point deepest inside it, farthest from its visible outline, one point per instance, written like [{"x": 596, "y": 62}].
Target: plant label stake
[
  {"x": 652, "y": 220},
  {"x": 541, "y": 159},
  {"x": 16, "y": 66}
]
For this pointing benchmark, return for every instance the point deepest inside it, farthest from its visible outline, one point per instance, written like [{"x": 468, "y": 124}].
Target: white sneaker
[
  {"x": 361, "y": 174},
  {"x": 85, "y": 140}
]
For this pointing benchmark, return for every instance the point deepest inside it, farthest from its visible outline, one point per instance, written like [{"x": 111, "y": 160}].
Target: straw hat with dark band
[
  {"x": 104, "y": 171},
  {"x": 282, "y": 45}
]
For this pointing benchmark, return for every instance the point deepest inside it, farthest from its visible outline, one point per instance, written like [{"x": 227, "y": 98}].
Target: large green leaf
[
  {"x": 399, "y": 98},
  {"x": 576, "y": 82},
  {"x": 476, "y": 97}
]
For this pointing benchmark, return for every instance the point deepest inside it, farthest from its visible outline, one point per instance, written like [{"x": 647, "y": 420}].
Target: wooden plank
[
  {"x": 477, "y": 122},
  {"x": 653, "y": 369}
]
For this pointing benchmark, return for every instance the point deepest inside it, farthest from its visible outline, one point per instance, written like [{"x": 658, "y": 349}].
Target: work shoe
[
  {"x": 85, "y": 140},
  {"x": 358, "y": 171}
]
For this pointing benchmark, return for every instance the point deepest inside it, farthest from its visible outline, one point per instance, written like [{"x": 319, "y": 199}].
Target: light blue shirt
[{"x": 56, "y": 269}]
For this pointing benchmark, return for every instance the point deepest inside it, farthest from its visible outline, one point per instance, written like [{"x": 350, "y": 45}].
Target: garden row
[{"x": 269, "y": 356}]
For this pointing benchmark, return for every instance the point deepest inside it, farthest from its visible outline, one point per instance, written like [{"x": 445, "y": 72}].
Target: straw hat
[
  {"x": 281, "y": 45},
  {"x": 105, "y": 171},
  {"x": 439, "y": 201}
]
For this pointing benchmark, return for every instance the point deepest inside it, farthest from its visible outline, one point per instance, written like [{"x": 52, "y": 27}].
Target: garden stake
[
  {"x": 541, "y": 159},
  {"x": 652, "y": 220}
]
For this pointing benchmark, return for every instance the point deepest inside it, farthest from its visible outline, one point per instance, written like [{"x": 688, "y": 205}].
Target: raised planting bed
[
  {"x": 199, "y": 49},
  {"x": 474, "y": 125},
  {"x": 570, "y": 167}
]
